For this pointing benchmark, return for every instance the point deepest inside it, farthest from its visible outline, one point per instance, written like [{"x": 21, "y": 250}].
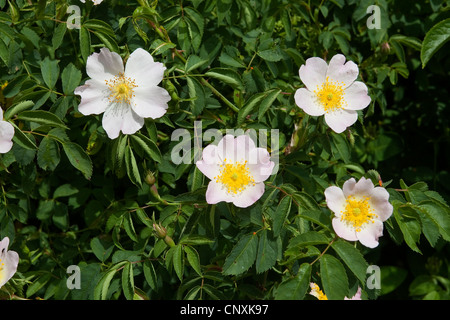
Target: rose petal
[
  {"x": 343, "y": 230},
  {"x": 379, "y": 201},
  {"x": 340, "y": 119},
  {"x": 313, "y": 73},
  {"x": 216, "y": 193},
  {"x": 209, "y": 165},
  {"x": 93, "y": 97},
  {"x": 259, "y": 164},
  {"x": 6, "y": 135},
  {"x": 335, "y": 199},
  {"x": 369, "y": 234},
  {"x": 340, "y": 71},
  {"x": 151, "y": 102},
  {"x": 363, "y": 187},
  {"x": 104, "y": 65},
  {"x": 119, "y": 117},
  {"x": 249, "y": 196},
  {"x": 307, "y": 101},
  {"x": 356, "y": 96},
  {"x": 143, "y": 69}
]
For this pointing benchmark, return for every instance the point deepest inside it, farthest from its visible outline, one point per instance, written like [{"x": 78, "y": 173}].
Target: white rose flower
[{"x": 9, "y": 260}]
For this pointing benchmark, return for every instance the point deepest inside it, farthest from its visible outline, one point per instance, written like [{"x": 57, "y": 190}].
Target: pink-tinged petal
[
  {"x": 363, "y": 187},
  {"x": 227, "y": 149},
  {"x": 6, "y": 135},
  {"x": 120, "y": 117},
  {"x": 249, "y": 196},
  {"x": 357, "y": 295},
  {"x": 104, "y": 65},
  {"x": 340, "y": 71},
  {"x": 259, "y": 164},
  {"x": 151, "y": 102},
  {"x": 379, "y": 201},
  {"x": 307, "y": 101},
  {"x": 94, "y": 97},
  {"x": 4, "y": 245},
  {"x": 356, "y": 96},
  {"x": 313, "y": 73},
  {"x": 340, "y": 119},
  {"x": 216, "y": 193},
  {"x": 143, "y": 69},
  {"x": 335, "y": 199},
  {"x": 343, "y": 230},
  {"x": 370, "y": 232},
  {"x": 243, "y": 145},
  {"x": 209, "y": 165}
]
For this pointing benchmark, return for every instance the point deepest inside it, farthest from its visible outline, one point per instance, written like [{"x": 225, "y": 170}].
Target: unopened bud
[
  {"x": 161, "y": 232},
  {"x": 150, "y": 178}
]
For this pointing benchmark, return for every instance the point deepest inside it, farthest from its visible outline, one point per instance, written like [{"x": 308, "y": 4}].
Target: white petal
[
  {"x": 343, "y": 72},
  {"x": 150, "y": 102},
  {"x": 226, "y": 148},
  {"x": 4, "y": 245},
  {"x": 307, "y": 101},
  {"x": 6, "y": 135},
  {"x": 249, "y": 196},
  {"x": 143, "y": 69},
  {"x": 259, "y": 164},
  {"x": 340, "y": 119},
  {"x": 369, "y": 234},
  {"x": 335, "y": 199},
  {"x": 313, "y": 73},
  {"x": 104, "y": 65},
  {"x": 216, "y": 193},
  {"x": 379, "y": 201},
  {"x": 209, "y": 165},
  {"x": 343, "y": 230},
  {"x": 94, "y": 97},
  {"x": 363, "y": 187},
  {"x": 356, "y": 96},
  {"x": 120, "y": 117},
  {"x": 243, "y": 145}
]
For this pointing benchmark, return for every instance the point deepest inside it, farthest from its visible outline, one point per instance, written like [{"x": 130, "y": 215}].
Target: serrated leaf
[
  {"x": 48, "y": 155},
  {"x": 128, "y": 281},
  {"x": 267, "y": 252},
  {"x": 24, "y": 140},
  {"x": 132, "y": 167},
  {"x": 242, "y": 256},
  {"x": 147, "y": 146},
  {"x": 434, "y": 39},
  {"x": 352, "y": 258},
  {"x": 150, "y": 274},
  {"x": 78, "y": 158},
  {"x": 17, "y": 108},
  {"x": 333, "y": 276},
  {"x": 281, "y": 214},
  {"x": 193, "y": 258},
  {"x": 309, "y": 238},
  {"x": 295, "y": 288},
  {"x": 70, "y": 78},
  {"x": 228, "y": 76},
  {"x": 178, "y": 260},
  {"x": 85, "y": 43},
  {"x": 50, "y": 72},
  {"x": 42, "y": 117}
]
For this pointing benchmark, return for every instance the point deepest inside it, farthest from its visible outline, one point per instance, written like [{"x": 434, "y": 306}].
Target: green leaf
[
  {"x": 267, "y": 252},
  {"x": 17, "y": 108},
  {"x": 178, "y": 260},
  {"x": 309, "y": 238},
  {"x": 147, "y": 146},
  {"x": 102, "y": 287},
  {"x": 334, "y": 278},
  {"x": 228, "y": 76},
  {"x": 70, "y": 78},
  {"x": 132, "y": 167},
  {"x": 58, "y": 35},
  {"x": 409, "y": 227},
  {"x": 391, "y": 278},
  {"x": 128, "y": 281},
  {"x": 38, "y": 284},
  {"x": 101, "y": 248},
  {"x": 150, "y": 274},
  {"x": 85, "y": 43},
  {"x": 342, "y": 147},
  {"x": 281, "y": 214},
  {"x": 78, "y": 158},
  {"x": 439, "y": 215},
  {"x": 193, "y": 258},
  {"x": 48, "y": 155},
  {"x": 24, "y": 140},
  {"x": 268, "y": 101},
  {"x": 251, "y": 103},
  {"x": 194, "y": 62},
  {"x": 295, "y": 288},
  {"x": 242, "y": 256},
  {"x": 434, "y": 39},
  {"x": 42, "y": 117},
  {"x": 352, "y": 258},
  {"x": 50, "y": 72},
  {"x": 196, "y": 94}
]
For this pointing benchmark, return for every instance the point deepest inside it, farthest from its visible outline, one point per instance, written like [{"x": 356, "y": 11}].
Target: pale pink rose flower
[
  {"x": 125, "y": 96},
  {"x": 359, "y": 210},
  {"x": 331, "y": 90},
  {"x": 9, "y": 260}
]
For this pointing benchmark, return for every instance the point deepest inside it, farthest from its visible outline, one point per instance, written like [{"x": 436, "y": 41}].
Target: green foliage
[{"x": 138, "y": 225}]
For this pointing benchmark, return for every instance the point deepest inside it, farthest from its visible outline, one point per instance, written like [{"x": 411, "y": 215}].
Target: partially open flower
[
  {"x": 125, "y": 95},
  {"x": 237, "y": 170},
  {"x": 6, "y": 134},
  {"x": 9, "y": 260},
  {"x": 331, "y": 90},
  {"x": 360, "y": 210}
]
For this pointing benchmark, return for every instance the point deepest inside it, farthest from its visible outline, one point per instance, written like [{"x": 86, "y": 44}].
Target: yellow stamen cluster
[
  {"x": 358, "y": 212},
  {"x": 315, "y": 291},
  {"x": 122, "y": 89},
  {"x": 235, "y": 177},
  {"x": 330, "y": 95},
  {"x": 1, "y": 266}
]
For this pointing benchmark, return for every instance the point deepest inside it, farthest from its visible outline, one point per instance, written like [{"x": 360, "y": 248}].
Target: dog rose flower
[
  {"x": 237, "y": 169},
  {"x": 9, "y": 260},
  {"x": 360, "y": 210},
  {"x": 6, "y": 134},
  {"x": 125, "y": 96},
  {"x": 331, "y": 90}
]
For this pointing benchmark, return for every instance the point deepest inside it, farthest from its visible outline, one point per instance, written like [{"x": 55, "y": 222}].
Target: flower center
[
  {"x": 315, "y": 291},
  {"x": 235, "y": 177},
  {"x": 330, "y": 95},
  {"x": 122, "y": 88},
  {"x": 358, "y": 212}
]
